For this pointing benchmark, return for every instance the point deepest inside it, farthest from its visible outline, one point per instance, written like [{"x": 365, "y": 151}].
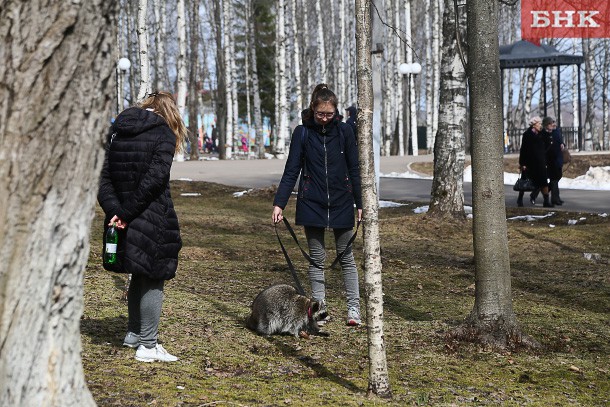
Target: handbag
[
  {"x": 524, "y": 184},
  {"x": 567, "y": 157}
]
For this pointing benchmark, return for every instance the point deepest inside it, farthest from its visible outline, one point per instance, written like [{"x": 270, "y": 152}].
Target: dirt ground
[{"x": 561, "y": 296}]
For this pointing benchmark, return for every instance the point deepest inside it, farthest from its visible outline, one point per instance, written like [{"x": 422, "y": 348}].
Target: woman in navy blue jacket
[{"x": 323, "y": 150}]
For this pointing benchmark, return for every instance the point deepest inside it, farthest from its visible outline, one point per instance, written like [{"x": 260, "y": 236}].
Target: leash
[{"x": 307, "y": 257}]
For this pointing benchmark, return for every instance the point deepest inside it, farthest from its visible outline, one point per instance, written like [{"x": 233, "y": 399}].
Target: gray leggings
[
  {"x": 315, "y": 241},
  {"x": 144, "y": 301}
]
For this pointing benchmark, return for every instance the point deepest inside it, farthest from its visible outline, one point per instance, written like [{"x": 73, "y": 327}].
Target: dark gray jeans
[
  {"x": 317, "y": 251},
  {"x": 144, "y": 301}
]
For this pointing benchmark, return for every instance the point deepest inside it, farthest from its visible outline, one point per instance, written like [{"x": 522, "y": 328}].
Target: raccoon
[{"x": 280, "y": 309}]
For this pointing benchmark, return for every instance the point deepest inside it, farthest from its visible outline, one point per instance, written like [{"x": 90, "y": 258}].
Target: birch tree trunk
[
  {"x": 379, "y": 382},
  {"x": 575, "y": 105},
  {"x": 436, "y": 66},
  {"x": 590, "y": 125},
  {"x": 143, "y": 46},
  {"x": 226, "y": 26},
  {"x": 258, "y": 119},
  {"x": 605, "y": 87},
  {"x": 321, "y": 46},
  {"x": 492, "y": 320},
  {"x": 47, "y": 199},
  {"x": 282, "y": 103},
  {"x": 447, "y": 196},
  {"x": 162, "y": 76},
  {"x": 301, "y": 99},
  {"x": 193, "y": 83},
  {"x": 221, "y": 87}
]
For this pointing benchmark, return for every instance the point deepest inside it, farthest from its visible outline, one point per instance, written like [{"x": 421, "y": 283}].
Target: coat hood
[{"x": 135, "y": 120}]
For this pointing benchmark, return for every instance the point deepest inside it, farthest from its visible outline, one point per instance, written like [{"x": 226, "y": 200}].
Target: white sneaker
[{"x": 156, "y": 354}]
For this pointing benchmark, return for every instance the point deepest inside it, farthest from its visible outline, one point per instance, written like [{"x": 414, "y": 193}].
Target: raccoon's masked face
[{"x": 313, "y": 312}]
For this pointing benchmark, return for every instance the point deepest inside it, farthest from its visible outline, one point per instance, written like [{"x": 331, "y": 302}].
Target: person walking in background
[
  {"x": 351, "y": 119},
  {"x": 532, "y": 159},
  {"x": 134, "y": 193},
  {"x": 554, "y": 157},
  {"x": 323, "y": 150}
]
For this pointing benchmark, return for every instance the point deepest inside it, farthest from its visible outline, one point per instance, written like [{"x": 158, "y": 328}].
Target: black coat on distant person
[
  {"x": 330, "y": 184},
  {"x": 532, "y": 155},
  {"x": 554, "y": 154},
  {"x": 134, "y": 185}
]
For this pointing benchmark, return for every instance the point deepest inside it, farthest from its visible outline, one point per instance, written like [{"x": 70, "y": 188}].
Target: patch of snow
[
  {"x": 421, "y": 209},
  {"x": 185, "y": 179},
  {"x": 572, "y": 222},
  {"x": 531, "y": 218},
  {"x": 240, "y": 193},
  {"x": 389, "y": 204},
  {"x": 190, "y": 194}
]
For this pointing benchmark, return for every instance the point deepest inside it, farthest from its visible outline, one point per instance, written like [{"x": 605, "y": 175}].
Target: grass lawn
[{"x": 230, "y": 253}]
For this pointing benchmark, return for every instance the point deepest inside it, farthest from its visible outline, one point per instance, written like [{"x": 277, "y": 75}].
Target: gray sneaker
[
  {"x": 353, "y": 316},
  {"x": 131, "y": 340}
]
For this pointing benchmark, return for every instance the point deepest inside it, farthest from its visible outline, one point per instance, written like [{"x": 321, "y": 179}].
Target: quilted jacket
[{"x": 134, "y": 185}]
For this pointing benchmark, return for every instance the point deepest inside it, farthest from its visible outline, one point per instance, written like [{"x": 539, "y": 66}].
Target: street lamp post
[
  {"x": 407, "y": 70},
  {"x": 122, "y": 67}
]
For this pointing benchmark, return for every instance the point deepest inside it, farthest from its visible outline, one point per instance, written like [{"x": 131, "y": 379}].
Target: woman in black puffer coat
[
  {"x": 135, "y": 195},
  {"x": 323, "y": 150}
]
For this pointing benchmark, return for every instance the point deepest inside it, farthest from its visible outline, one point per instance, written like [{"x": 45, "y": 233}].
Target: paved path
[{"x": 263, "y": 173}]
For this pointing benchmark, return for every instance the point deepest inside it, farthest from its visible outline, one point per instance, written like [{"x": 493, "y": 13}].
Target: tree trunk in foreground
[
  {"x": 447, "y": 196},
  {"x": 492, "y": 321},
  {"x": 379, "y": 382},
  {"x": 55, "y": 92}
]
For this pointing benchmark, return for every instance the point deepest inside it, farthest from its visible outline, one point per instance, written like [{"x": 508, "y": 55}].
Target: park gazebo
[{"x": 524, "y": 54}]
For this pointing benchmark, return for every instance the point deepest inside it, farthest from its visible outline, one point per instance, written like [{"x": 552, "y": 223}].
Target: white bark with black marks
[{"x": 379, "y": 382}]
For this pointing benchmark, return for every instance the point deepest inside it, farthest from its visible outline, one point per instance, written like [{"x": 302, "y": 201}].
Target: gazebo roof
[{"x": 524, "y": 54}]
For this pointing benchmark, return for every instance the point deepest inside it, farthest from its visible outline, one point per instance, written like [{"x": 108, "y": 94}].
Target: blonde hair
[
  {"x": 534, "y": 120},
  {"x": 164, "y": 104}
]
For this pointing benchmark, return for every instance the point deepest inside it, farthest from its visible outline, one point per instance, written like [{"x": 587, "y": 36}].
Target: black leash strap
[
  {"x": 299, "y": 287},
  {"x": 349, "y": 244},
  {"x": 307, "y": 257},
  {"x": 294, "y": 236}
]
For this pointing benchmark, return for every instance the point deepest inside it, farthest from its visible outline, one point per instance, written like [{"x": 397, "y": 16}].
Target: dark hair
[
  {"x": 547, "y": 120},
  {"x": 323, "y": 95}
]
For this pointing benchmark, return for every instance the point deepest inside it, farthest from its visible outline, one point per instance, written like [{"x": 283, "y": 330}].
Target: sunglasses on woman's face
[{"x": 323, "y": 115}]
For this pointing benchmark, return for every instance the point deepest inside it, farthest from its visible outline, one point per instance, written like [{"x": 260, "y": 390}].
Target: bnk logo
[{"x": 565, "y": 19}]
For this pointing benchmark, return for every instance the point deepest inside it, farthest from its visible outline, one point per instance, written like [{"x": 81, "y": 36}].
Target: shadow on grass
[
  {"x": 405, "y": 312},
  {"x": 290, "y": 352},
  {"x": 105, "y": 330}
]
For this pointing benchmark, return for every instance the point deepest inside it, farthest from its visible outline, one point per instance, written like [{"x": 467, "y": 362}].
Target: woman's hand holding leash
[{"x": 277, "y": 214}]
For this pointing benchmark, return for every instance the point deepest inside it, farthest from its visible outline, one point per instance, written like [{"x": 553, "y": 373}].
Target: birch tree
[
  {"x": 321, "y": 45},
  {"x": 590, "y": 129},
  {"x": 192, "y": 80},
  {"x": 226, "y": 27},
  {"x": 182, "y": 72},
  {"x": 142, "y": 31},
  {"x": 492, "y": 321},
  {"x": 258, "y": 120},
  {"x": 221, "y": 89},
  {"x": 447, "y": 196},
  {"x": 161, "y": 74},
  {"x": 282, "y": 102},
  {"x": 379, "y": 382},
  {"x": 47, "y": 199}
]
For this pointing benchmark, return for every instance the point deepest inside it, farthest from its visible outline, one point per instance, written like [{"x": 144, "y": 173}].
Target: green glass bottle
[{"x": 112, "y": 240}]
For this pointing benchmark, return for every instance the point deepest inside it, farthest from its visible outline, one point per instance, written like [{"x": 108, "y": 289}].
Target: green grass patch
[{"x": 230, "y": 253}]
